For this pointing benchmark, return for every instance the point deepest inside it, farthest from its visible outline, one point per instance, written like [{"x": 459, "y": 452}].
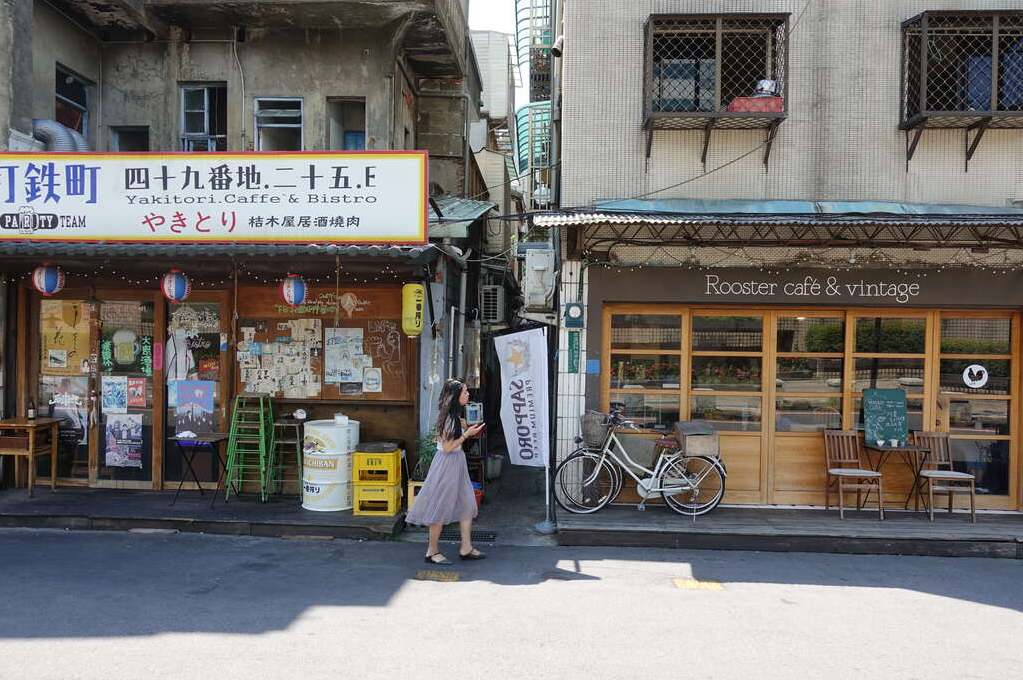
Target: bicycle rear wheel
[
  {"x": 584, "y": 482},
  {"x": 692, "y": 486}
]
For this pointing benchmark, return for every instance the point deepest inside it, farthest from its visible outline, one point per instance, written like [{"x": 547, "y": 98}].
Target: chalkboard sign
[{"x": 884, "y": 415}]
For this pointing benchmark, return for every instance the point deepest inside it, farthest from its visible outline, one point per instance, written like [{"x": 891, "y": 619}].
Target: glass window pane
[
  {"x": 726, "y": 373},
  {"x": 652, "y": 411},
  {"x": 195, "y": 123},
  {"x": 976, "y": 336},
  {"x": 987, "y": 460},
  {"x": 646, "y": 331},
  {"x": 64, "y": 343},
  {"x": 979, "y": 416},
  {"x": 126, "y": 372},
  {"x": 890, "y": 336},
  {"x": 805, "y": 334},
  {"x": 728, "y": 333},
  {"x": 192, "y": 354},
  {"x": 885, "y": 373},
  {"x": 635, "y": 371},
  {"x": 809, "y": 374},
  {"x": 991, "y": 376},
  {"x": 727, "y": 413},
  {"x": 914, "y": 414},
  {"x": 807, "y": 414},
  {"x": 195, "y": 100}
]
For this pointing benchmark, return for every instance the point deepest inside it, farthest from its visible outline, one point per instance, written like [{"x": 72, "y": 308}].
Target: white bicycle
[{"x": 591, "y": 477}]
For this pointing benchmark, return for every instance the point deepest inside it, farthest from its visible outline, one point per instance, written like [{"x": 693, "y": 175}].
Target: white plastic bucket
[{"x": 326, "y": 497}]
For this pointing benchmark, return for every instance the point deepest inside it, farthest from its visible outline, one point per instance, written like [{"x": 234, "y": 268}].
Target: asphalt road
[{"x": 107, "y": 606}]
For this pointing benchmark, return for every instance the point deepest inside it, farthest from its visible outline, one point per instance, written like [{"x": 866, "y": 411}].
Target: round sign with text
[{"x": 975, "y": 376}]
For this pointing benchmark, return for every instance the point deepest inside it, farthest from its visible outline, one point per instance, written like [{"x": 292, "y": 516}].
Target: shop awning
[
  {"x": 413, "y": 255},
  {"x": 695, "y": 223},
  {"x": 457, "y": 214}
]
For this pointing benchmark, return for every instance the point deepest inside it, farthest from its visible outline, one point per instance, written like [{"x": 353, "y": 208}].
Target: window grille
[
  {"x": 702, "y": 71},
  {"x": 962, "y": 70}
]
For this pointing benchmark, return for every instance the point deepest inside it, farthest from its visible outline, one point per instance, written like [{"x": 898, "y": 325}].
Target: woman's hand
[{"x": 475, "y": 430}]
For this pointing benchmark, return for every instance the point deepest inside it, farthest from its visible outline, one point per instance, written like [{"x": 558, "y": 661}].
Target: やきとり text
[{"x": 811, "y": 286}]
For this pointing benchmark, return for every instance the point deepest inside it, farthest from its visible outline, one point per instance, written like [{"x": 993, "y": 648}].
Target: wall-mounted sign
[
  {"x": 975, "y": 376},
  {"x": 324, "y": 197}
]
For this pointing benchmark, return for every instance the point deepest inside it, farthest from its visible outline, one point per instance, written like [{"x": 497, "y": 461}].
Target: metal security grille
[
  {"x": 963, "y": 70},
  {"x": 702, "y": 70}
]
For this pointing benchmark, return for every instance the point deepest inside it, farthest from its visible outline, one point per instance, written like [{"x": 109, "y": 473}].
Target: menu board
[
  {"x": 884, "y": 415},
  {"x": 346, "y": 345}
]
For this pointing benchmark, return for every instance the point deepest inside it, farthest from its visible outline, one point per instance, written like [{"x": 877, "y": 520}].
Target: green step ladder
[
  {"x": 250, "y": 444},
  {"x": 286, "y": 455}
]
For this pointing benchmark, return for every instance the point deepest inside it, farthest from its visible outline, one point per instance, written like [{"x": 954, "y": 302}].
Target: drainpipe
[
  {"x": 464, "y": 96},
  {"x": 461, "y": 261},
  {"x": 460, "y": 362}
]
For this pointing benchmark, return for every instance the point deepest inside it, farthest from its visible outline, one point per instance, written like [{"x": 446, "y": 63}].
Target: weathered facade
[
  {"x": 183, "y": 77},
  {"x": 742, "y": 179}
]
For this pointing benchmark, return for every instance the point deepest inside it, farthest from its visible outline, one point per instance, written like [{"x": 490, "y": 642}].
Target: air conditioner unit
[{"x": 493, "y": 304}]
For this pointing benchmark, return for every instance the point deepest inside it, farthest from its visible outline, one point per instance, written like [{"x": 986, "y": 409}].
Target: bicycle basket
[{"x": 594, "y": 425}]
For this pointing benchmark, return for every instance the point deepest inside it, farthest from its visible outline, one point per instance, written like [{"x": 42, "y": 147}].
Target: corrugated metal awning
[{"x": 457, "y": 214}]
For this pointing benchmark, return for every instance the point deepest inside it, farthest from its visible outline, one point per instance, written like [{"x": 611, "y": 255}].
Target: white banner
[
  {"x": 322, "y": 197},
  {"x": 524, "y": 394}
]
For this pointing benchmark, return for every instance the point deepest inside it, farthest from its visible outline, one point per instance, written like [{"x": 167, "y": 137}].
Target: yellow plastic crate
[
  {"x": 376, "y": 499},
  {"x": 413, "y": 491},
  {"x": 377, "y": 468}
]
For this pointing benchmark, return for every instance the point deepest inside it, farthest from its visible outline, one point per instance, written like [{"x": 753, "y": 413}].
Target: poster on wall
[
  {"x": 64, "y": 397},
  {"x": 136, "y": 392},
  {"x": 194, "y": 342},
  {"x": 343, "y": 355},
  {"x": 194, "y": 410},
  {"x": 64, "y": 337},
  {"x": 115, "y": 393},
  {"x": 124, "y": 440},
  {"x": 126, "y": 344}
]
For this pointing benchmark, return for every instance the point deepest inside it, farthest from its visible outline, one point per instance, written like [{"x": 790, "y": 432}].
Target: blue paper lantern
[
  {"x": 175, "y": 285},
  {"x": 48, "y": 279},
  {"x": 293, "y": 290}
]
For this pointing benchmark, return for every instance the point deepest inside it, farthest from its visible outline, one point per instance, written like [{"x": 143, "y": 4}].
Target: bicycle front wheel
[
  {"x": 584, "y": 483},
  {"x": 692, "y": 486}
]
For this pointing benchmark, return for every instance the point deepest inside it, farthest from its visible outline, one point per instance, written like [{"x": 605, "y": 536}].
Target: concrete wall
[
  {"x": 840, "y": 141},
  {"x": 313, "y": 65},
  {"x": 55, "y": 40}
]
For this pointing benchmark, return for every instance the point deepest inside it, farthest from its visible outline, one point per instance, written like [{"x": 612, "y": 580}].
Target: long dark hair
[{"x": 449, "y": 418}]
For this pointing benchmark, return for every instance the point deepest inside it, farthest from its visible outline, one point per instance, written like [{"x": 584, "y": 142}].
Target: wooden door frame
[{"x": 931, "y": 361}]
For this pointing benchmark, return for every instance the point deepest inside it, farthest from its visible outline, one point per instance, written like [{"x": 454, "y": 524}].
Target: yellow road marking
[
  {"x": 437, "y": 575},
  {"x": 693, "y": 584}
]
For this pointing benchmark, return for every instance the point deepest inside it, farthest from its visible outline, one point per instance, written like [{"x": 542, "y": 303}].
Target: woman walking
[{"x": 446, "y": 495}]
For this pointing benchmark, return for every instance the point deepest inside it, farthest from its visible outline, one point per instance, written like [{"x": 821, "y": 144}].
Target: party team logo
[{"x": 28, "y": 221}]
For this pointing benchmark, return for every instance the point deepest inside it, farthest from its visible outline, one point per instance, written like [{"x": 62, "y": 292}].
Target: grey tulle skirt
[{"x": 446, "y": 495}]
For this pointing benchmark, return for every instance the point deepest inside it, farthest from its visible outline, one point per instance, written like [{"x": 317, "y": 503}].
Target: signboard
[
  {"x": 968, "y": 288},
  {"x": 323, "y": 197},
  {"x": 884, "y": 415},
  {"x": 524, "y": 410}
]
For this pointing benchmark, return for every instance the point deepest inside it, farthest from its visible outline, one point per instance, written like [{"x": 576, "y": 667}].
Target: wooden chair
[
  {"x": 842, "y": 455},
  {"x": 943, "y": 479}
]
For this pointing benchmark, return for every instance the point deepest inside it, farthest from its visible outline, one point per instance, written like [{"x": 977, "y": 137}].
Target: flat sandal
[{"x": 430, "y": 560}]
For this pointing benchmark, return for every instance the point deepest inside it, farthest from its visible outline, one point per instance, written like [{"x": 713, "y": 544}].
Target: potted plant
[{"x": 426, "y": 449}]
